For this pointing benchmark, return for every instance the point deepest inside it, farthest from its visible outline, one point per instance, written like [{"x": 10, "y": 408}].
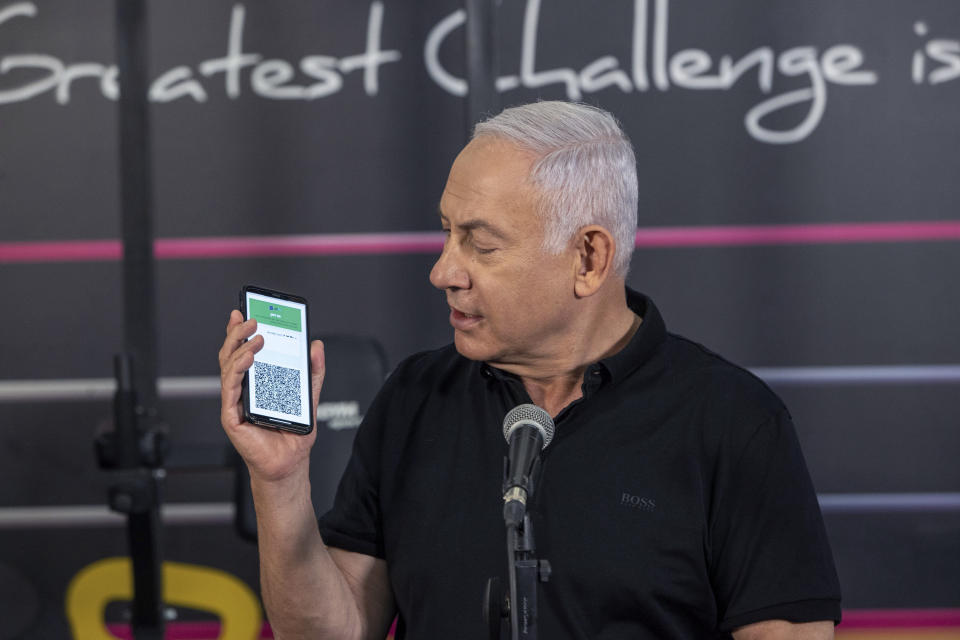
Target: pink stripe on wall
[
  {"x": 797, "y": 234},
  {"x": 299, "y": 245},
  {"x": 228, "y": 247},
  {"x": 900, "y": 619},
  {"x": 64, "y": 251},
  {"x": 180, "y": 631},
  {"x": 431, "y": 242},
  {"x": 200, "y": 630},
  {"x": 873, "y": 619}
]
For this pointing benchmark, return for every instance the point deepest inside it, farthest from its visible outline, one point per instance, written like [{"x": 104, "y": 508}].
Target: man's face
[{"x": 510, "y": 303}]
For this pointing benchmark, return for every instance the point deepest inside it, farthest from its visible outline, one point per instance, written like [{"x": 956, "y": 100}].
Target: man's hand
[
  {"x": 308, "y": 589},
  {"x": 783, "y": 630},
  {"x": 270, "y": 455}
]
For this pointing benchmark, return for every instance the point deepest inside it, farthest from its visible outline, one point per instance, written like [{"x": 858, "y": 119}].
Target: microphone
[{"x": 528, "y": 429}]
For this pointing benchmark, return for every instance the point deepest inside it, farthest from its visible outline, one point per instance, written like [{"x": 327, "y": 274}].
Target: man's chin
[{"x": 470, "y": 348}]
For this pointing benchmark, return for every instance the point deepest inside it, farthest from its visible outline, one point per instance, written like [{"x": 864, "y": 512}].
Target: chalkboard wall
[{"x": 798, "y": 214}]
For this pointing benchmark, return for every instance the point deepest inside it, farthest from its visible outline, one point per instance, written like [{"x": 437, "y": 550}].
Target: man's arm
[
  {"x": 783, "y": 630},
  {"x": 309, "y": 591}
]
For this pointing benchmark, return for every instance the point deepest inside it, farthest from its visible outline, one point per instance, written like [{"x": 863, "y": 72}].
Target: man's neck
[{"x": 554, "y": 383}]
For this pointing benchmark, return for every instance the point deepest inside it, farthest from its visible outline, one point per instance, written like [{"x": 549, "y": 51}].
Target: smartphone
[{"x": 277, "y": 389}]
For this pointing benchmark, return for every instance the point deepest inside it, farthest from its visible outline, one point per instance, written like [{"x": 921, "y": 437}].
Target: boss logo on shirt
[{"x": 637, "y": 502}]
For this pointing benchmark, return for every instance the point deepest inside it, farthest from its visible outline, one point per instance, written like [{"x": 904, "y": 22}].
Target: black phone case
[{"x": 267, "y": 421}]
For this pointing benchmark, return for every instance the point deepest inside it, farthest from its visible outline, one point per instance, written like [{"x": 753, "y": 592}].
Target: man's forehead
[
  {"x": 489, "y": 169},
  {"x": 493, "y": 156},
  {"x": 494, "y": 144},
  {"x": 497, "y": 211}
]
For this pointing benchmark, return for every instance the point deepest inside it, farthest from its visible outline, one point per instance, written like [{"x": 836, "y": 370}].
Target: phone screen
[{"x": 278, "y": 384}]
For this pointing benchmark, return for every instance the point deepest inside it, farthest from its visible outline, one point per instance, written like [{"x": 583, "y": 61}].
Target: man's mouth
[{"x": 463, "y": 320}]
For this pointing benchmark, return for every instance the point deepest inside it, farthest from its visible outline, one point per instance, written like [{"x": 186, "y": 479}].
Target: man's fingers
[
  {"x": 235, "y": 318},
  {"x": 240, "y": 360},
  {"x": 231, "y": 379},
  {"x": 230, "y": 414},
  {"x": 318, "y": 363},
  {"x": 238, "y": 331}
]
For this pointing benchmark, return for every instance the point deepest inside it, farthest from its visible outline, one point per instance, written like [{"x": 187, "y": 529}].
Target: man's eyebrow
[
  {"x": 482, "y": 225},
  {"x": 476, "y": 224}
]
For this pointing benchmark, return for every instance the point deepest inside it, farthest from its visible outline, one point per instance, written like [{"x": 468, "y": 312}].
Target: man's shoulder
[{"x": 719, "y": 381}]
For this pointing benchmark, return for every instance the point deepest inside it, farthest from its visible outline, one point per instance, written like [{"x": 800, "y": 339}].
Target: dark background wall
[{"x": 839, "y": 205}]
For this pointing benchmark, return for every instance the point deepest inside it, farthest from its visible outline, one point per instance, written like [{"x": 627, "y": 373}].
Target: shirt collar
[
  {"x": 648, "y": 338},
  {"x": 644, "y": 343}
]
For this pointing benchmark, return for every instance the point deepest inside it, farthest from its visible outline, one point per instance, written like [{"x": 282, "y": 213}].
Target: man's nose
[{"x": 447, "y": 271}]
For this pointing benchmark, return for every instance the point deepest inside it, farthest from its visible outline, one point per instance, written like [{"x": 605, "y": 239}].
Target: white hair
[{"x": 585, "y": 171}]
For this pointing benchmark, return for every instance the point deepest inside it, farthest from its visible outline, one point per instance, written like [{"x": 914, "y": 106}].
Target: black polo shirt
[{"x": 673, "y": 502}]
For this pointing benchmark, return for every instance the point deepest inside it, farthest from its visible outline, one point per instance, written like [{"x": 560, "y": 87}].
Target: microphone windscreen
[{"x": 529, "y": 414}]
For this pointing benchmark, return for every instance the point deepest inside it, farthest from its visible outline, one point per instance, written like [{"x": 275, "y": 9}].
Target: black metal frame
[
  {"x": 135, "y": 448},
  {"x": 482, "y": 62}
]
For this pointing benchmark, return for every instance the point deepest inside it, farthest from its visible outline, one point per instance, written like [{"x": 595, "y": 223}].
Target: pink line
[
  {"x": 900, "y": 618},
  {"x": 797, "y": 234},
  {"x": 64, "y": 251},
  {"x": 852, "y": 619},
  {"x": 301, "y": 245},
  {"x": 432, "y": 242},
  {"x": 200, "y": 630}
]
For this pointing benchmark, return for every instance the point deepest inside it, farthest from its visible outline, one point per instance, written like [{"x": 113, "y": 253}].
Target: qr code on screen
[{"x": 277, "y": 388}]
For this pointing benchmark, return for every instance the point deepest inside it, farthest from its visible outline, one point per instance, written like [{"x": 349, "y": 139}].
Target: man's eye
[{"x": 485, "y": 251}]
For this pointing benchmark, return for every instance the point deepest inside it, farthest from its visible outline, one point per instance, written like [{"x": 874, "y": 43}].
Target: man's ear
[{"x": 595, "y": 251}]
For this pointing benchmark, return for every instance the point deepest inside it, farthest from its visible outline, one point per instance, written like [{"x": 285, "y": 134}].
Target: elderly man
[{"x": 673, "y": 502}]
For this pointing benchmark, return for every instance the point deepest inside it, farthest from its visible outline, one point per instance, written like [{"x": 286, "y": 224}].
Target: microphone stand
[{"x": 524, "y": 571}]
